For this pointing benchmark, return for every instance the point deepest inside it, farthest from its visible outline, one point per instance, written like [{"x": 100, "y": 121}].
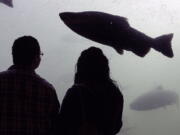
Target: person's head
[
  {"x": 92, "y": 66},
  {"x": 26, "y": 52}
]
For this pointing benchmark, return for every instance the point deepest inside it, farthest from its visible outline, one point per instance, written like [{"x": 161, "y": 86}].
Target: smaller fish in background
[
  {"x": 155, "y": 99},
  {"x": 7, "y": 2},
  {"x": 115, "y": 31}
]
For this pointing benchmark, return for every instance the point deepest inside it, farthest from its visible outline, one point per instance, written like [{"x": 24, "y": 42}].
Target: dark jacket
[{"x": 101, "y": 106}]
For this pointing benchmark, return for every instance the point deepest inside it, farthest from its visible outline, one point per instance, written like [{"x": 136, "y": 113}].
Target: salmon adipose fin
[
  {"x": 119, "y": 50},
  {"x": 163, "y": 45}
]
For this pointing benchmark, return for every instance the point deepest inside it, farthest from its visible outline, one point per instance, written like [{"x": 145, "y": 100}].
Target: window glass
[{"x": 136, "y": 76}]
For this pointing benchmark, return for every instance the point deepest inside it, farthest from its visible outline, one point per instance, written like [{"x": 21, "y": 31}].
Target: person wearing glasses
[{"x": 28, "y": 103}]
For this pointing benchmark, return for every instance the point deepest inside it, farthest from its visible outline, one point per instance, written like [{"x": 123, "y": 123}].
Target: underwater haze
[{"x": 134, "y": 75}]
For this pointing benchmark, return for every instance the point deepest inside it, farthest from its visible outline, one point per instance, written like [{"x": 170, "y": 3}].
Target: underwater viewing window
[{"x": 150, "y": 83}]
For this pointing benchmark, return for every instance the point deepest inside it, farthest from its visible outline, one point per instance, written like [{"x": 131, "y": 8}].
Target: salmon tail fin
[{"x": 163, "y": 45}]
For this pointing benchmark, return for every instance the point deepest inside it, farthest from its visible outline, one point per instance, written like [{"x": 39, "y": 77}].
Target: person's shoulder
[
  {"x": 117, "y": 92},
  {"x": 5, "y": 73},
  {"x": 74, "y": 90},
  {"x": 78, "y": 88},
  {"x": 45, "y": 87},
  {"x": 43, "y": 82}
]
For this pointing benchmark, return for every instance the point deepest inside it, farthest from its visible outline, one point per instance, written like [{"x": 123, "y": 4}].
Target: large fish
[
  {"x": 116, "y": 32},
  {"x": 7, "y": 2},
  {"x": 155, "y": 99}
]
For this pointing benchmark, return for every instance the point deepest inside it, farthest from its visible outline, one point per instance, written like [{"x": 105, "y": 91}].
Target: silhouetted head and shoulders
[
  {"x": 92, "y": 71},
  {"x": 29, "y": 100},
  {"x": 26, "y": 55},
  {"x": 95, "y": 92}
]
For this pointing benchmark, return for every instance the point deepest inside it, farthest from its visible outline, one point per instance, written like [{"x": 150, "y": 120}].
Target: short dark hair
[{"x": 24, "y": 50}]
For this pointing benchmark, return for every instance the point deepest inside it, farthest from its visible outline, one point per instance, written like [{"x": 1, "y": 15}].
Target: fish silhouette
[
  {"x": 7, "y": 2},
  {"x": 115, "y": 31},
  {"x": 155, "y": 99}
]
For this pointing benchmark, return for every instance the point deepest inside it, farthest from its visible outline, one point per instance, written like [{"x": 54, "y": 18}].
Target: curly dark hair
[{"x": 92, "y": 67}]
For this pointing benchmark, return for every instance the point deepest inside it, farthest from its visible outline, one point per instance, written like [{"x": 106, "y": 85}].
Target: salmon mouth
[{"x": 64, "y": 17}]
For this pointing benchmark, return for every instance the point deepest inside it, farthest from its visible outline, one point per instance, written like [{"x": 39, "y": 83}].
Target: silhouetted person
[
  {"x": 94, "y": 104},
  {"x": 28, "y": 103}
]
